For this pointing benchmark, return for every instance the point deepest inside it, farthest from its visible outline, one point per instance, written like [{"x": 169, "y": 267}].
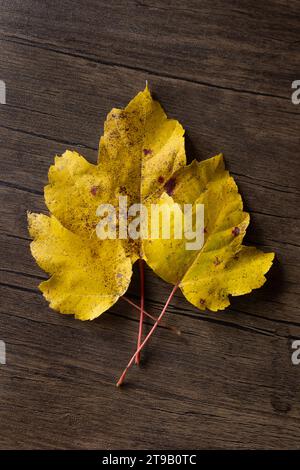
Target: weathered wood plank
[
  {"x": 66, "y": 99},
  {"x": 220, "y": 382},
  {"x": 225, "y": 71},
  {"x": 249, "y": 45}
]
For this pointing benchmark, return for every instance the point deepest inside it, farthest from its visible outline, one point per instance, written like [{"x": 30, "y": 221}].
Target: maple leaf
[
  {"x": 222, "y": 266},
  {"x": 138, "y": 153},
  {"x": 142, "y": 157}
]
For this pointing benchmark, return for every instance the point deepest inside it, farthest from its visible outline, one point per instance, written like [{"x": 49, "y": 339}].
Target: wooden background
[{"x": 224, "y": 69}]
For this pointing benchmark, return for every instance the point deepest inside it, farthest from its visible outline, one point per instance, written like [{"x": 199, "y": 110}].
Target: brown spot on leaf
[
  {"x": 160, "y": 179},
  {"x": 202, "y": 301},
  {"x": 94, "y": 190},
  {"x": 147, "y": 151},
  {"x": 170, "y": 186},
  {"x": 235, "y": 231}
]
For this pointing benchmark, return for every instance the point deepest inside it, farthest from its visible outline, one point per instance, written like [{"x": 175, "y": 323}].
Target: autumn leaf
[
  {"x": 222, "y": 266},
  {"x": 141, "y": 157},
  {"x": 139, "y": 151}
]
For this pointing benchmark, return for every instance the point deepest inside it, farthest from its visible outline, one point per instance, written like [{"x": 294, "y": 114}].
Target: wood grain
[{"x": 224, "y": 69}]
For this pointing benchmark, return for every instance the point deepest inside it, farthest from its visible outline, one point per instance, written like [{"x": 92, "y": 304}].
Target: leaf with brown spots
[
  {"x": 222, "y": 266},
  {"x": 139, "y": 151}
]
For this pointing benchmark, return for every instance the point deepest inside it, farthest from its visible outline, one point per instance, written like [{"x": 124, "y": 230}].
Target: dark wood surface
[{"x": 224, "y": 70}]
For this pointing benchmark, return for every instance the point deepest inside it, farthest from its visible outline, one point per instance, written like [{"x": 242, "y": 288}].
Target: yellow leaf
[
  {"x": 139, "y": 151},
  {"x": 88, "y": 275},
  {"x": 222, "y": 267}
]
